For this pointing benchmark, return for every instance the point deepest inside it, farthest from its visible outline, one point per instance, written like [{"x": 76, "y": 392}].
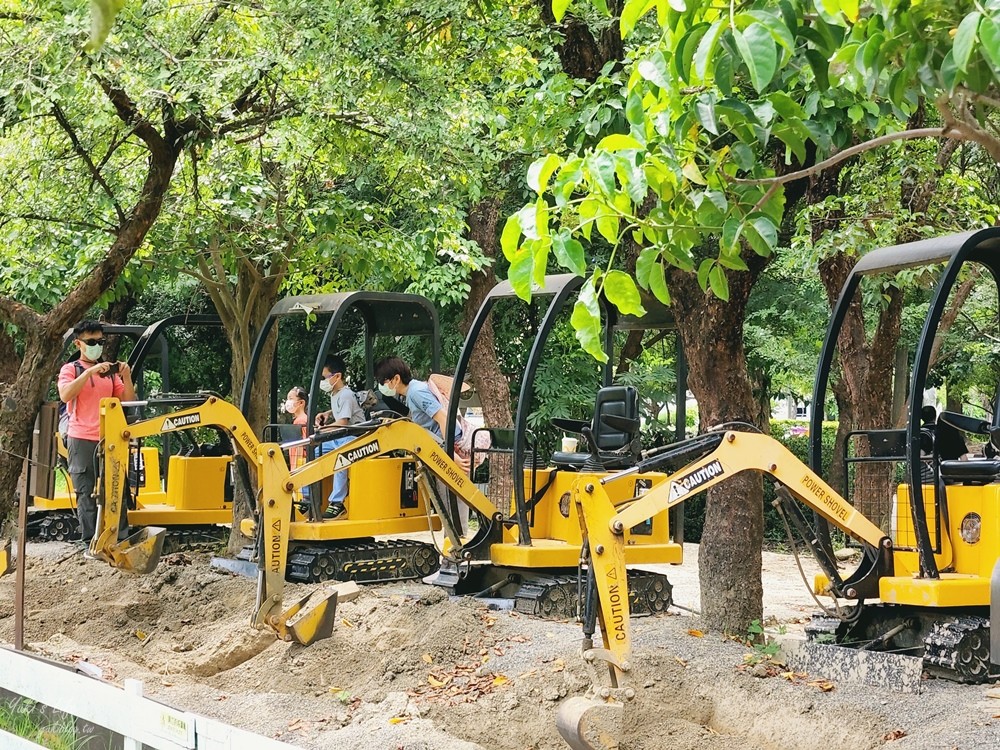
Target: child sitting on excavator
[
  {"x": 394, "y": 378},
  {"x": 344, "y": 410}
]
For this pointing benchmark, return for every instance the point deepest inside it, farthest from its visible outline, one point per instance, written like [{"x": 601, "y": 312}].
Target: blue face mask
[
  {"x": 386, "y": 390},
  {"x": 92, "y": 351}
]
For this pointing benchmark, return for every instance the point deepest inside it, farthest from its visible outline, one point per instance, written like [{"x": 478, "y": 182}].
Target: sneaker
[{"x": 334, "y": 510}]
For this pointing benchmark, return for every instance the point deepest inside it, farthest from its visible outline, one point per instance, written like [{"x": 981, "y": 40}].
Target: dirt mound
[{"x": 407, "y": 667}]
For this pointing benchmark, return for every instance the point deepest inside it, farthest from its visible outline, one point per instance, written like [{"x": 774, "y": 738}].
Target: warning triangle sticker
[
  {"x": 676, "y": 491},
  {"x": 342, "y": 461}
]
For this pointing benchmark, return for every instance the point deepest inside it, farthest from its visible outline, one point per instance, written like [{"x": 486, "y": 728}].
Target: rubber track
[
  {"x": 556, "y": 597},
  {"x": 190, "y": 539},
  {"x": 58, "y": 526},
  {"x": 959, "y": 649},
  {"x": 367, "y": 561}
]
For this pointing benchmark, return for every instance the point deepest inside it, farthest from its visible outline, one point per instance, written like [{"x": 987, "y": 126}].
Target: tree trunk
[
  {"x": 484, "y": 369},
  {"x": 43, "y": 333},
  {"x": 730, "y": 556},
  {"x": 243, "y": 308}
]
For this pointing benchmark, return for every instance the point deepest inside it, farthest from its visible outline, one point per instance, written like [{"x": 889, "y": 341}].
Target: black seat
[
  {"x": 980, "y": 471},
  {"x": 612, "y": 443}
]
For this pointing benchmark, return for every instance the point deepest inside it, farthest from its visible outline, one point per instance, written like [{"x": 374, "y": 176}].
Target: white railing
[{"x": 141, "y": 720}]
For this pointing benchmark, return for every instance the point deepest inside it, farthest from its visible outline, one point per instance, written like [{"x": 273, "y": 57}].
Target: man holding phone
[{"x": 82, "y": 385}]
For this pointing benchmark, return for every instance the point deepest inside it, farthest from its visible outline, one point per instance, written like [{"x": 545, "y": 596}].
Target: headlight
[{"x": 971, "y": 527}]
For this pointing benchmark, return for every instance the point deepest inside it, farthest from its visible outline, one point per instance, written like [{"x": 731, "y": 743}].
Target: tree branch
[
  {"x": 271, "y": 115},
  {"x": 19, "y": 314},
  {"x": 847, "y": 153},
  {"x": 128, "y": 112},
  {"x": 204, "y": 26},
  {"x": 64, "y": 123},
  {"x": 113, "y": 231},
  {"x": 10, "y": 15}
]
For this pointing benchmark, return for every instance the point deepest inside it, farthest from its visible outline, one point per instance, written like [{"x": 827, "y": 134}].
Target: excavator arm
[
  {"x": 595, "y": 723},
  {"x": 140, "y": 552}
]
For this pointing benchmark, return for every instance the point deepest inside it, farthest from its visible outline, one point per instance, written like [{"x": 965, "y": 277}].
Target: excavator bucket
[
  {"x": 5, "y": 558},
  {"x": 139, "y": 553},
  {"x": 306, "y": 625},
  {"x": 588, "y": 724}
]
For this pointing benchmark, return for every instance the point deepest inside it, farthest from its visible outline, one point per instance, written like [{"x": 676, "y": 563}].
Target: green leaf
[
  {"x": 519, "y": 275},
  {"x": 735, "y": 262},
  {"x": 540, "y": 261},
  {"x": 586, "y": 321},
  {"x": 541, "y": 170},
  {"x": 820, "y": 67},
  {"x": 635, "y": 113},
  {"x": 704, "y": 269},
  {"x": 588, "y": 211},
  {"x": 705, "y": 110},
  {"x": 658, "y": 283},
  {"x": 757, "y": 48},
  {"x": 633, "y": 178},
  {"x": 706, "y": 48},
  {"x": 632, "y": 12},
  {"x": 850, "y": 9},
  {"x": 776, "y": 26},
  {"x": 731, "y": 231},
  {"x": 102, "y": 18},
  {"x": 510, "y": 235},
  {"x": 685, "y": 51},
  {"x": 718, "y": 282},
  {"x": 542, "y": 217},
  {"x": 569, "y": 253},
  {"x": 559, "y": 8},
  {"x": 621, "y": 291},
  {"x": 989, "y": 35},
  {"x": 526, "y": 217},
  {"x": 762, "y": 233},
  {"x": 619, "y": 142},
  {"x": 648, "y": 257},
  {"x": 965, "y": 40},
  {"x": 607, "y": 224},
  {"x": 602, "y": 172},
  {"x": 654, "y": 70}
]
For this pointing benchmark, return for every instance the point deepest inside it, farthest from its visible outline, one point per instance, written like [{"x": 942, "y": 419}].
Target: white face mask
[
  {"x": 386, "y": 390},
  {"x": 326, "y": 386},
  {"x": 290, "y": 406},
  {"x": 92, "y": 351}
]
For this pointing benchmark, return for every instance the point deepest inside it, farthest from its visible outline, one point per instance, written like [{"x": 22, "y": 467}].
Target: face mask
[
  {"x": 386, "y": 390},
  {"x": 92, "y": 351},
  {"x": 290, "y": 406},
  {"x": 326, "y": 386}
]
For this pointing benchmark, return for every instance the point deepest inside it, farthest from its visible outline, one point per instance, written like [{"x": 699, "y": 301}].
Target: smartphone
[{"x": 113, "y": 370}]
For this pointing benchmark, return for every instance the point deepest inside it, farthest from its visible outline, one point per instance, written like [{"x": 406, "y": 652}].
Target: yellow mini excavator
[
  {"x": 526, "y": 546},
  {"x": 192, "y": 499},
  {"x": 928, "y": 584}
]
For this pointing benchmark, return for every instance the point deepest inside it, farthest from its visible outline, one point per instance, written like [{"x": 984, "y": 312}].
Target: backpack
[{"x": 64, "y": 407}]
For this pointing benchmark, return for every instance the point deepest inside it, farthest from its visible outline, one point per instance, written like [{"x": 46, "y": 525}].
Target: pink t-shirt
[{"x": 85, "y": 409}]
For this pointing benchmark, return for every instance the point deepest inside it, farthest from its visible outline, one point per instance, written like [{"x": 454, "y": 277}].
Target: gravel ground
[{"x": 407, "y": 668}]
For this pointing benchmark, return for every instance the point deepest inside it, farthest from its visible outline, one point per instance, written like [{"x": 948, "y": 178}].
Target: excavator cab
[
  {"x": 536, "y": 562},
  {"x": 383, "y": 498},
  {"x": 932, "y": 484},
  {"x": 162, "y": 356}
]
